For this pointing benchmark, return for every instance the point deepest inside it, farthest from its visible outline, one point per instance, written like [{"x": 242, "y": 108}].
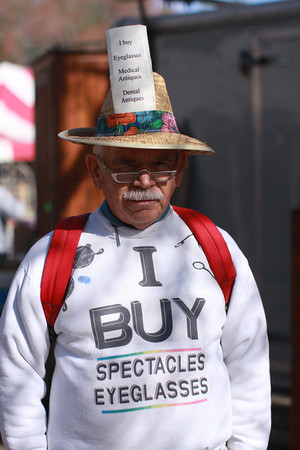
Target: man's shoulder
[{"x": 37, "y": 253}]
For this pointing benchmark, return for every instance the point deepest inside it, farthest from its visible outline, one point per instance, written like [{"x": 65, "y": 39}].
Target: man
[{"x": 146, "y": 355}]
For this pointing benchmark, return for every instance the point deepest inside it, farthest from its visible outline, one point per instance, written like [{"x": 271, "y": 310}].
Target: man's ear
[
  {"x": 182, "y": 161},
  {"x": 92, "y": 165}
]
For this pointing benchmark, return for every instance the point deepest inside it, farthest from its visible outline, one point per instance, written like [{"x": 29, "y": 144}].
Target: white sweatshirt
[{"x": 146, "y": 356}]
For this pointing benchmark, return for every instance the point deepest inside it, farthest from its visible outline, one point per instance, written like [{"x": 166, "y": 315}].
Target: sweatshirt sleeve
[
  {"x": 24, "y": 345},
  {"x": 246, "y": 355}
]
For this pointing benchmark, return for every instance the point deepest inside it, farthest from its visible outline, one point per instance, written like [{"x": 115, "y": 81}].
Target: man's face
[{"x": 143, "y": 201}]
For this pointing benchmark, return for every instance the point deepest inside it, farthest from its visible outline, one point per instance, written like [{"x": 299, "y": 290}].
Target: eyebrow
[{"x": 127, "y": 160}]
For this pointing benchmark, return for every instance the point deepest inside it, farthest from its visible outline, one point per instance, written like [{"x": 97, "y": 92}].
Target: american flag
[{"x": 17, "y": 120}]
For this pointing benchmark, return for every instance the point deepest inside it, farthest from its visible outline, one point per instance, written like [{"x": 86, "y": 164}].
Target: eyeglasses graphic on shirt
[{"x": 160, "y": 176}]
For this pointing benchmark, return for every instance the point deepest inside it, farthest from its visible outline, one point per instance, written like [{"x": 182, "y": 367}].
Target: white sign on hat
[{"x": 131, "y": 76}]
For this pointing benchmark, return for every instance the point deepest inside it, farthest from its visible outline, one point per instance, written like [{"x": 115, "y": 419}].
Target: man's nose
[{"x": 144, "y": 180}]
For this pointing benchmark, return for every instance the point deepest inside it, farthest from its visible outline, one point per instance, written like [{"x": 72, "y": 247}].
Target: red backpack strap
[
  {"x": 214, "y": 247},
  {"x": 59, "y": 263}
]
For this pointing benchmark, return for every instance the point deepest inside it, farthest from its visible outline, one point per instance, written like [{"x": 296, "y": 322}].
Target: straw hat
[{"x": 145, "y": 129}]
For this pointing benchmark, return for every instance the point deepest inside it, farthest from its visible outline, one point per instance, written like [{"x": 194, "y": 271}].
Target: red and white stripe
[{"x": 17, "y": 120}]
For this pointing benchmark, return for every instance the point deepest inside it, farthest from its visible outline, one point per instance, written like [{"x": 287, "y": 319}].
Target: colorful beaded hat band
[{"x": 136, "y": 123}]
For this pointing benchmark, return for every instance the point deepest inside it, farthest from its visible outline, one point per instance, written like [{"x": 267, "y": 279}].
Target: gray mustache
[{"x": 139, "y": 195}]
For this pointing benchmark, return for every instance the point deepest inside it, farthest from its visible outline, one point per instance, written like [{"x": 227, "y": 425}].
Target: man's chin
[{"x": 143, "y": 215}]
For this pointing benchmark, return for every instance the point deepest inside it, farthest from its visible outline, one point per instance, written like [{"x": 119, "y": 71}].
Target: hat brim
[{"x": 175, "y": 141}]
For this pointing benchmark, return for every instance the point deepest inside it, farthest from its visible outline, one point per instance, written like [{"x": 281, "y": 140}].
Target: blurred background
[{"x": 233, "y": 73}]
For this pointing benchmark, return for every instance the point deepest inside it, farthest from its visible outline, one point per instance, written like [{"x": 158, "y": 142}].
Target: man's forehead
[{"x": 139, "y": 154}]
